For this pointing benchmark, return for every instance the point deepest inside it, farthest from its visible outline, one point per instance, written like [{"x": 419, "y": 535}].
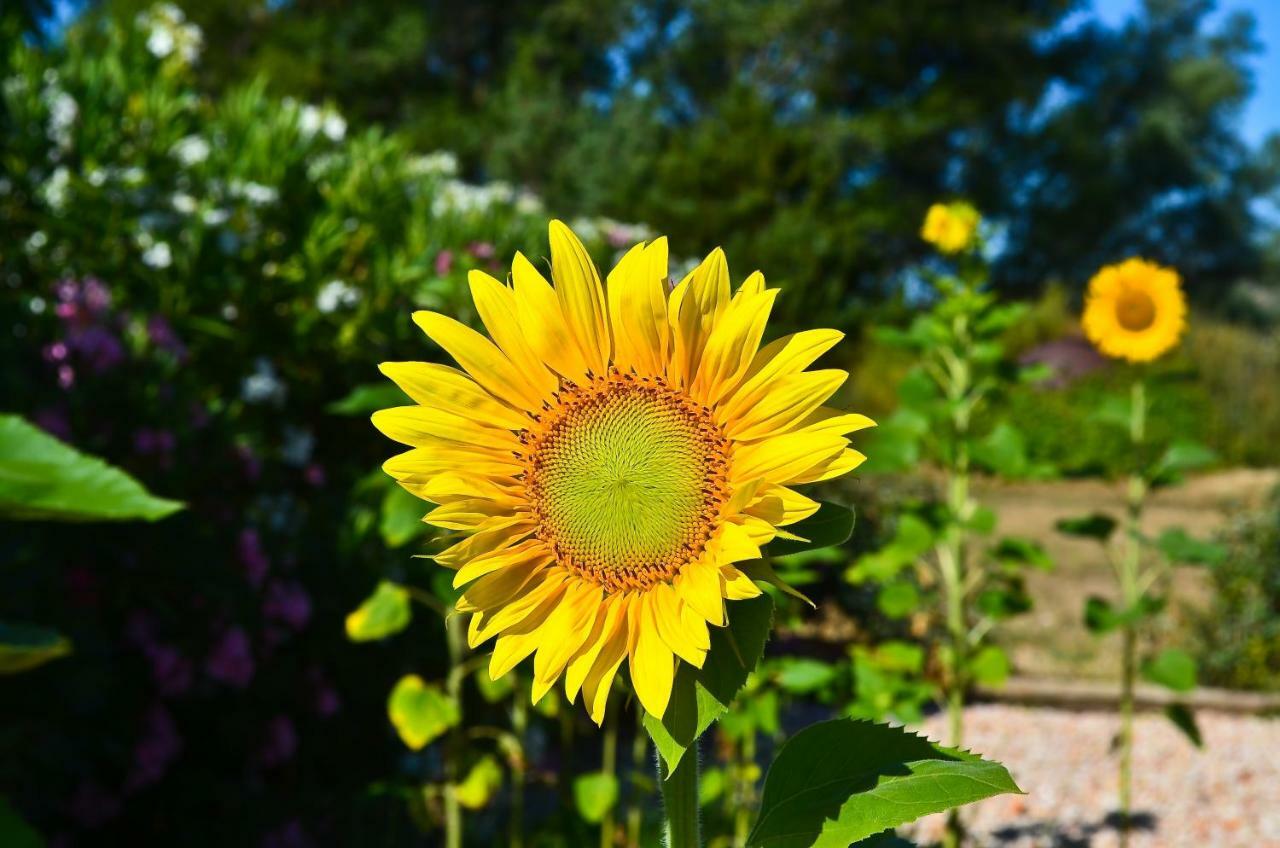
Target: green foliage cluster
[{"x": 1239, "y": 632}]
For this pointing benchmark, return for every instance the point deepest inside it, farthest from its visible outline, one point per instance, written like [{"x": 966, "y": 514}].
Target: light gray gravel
[{"x": 1224, "y": 796}]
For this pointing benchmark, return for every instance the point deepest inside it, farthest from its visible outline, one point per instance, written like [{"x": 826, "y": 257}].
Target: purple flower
[
  {"x": 54, "y": 422},
  {"x": 252, "y": 557},
  {"x": 162, "y": 335},
  {"x": 148, "y": 442},
  {"x": 66, "y": 376},
  {"x": 159, "y": 746},
  {"x": 328, "y": 702},
  {"x": 170, "y": 670},
  {"x": 97, "y": 346},
  {"x": 280, "y": 744},
  {"x": 444, "y": 263},
  {"x": 314, "y": 474},
  {"x": 96, "y": 296},
  {"x": 288, "y": 602},
  {"x": 231, "y": 661}
]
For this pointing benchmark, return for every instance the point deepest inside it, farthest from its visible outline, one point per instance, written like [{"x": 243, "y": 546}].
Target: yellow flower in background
[
  {"x": 951, "y": 227},
  {"x": 608, "y": 454},
  {"x": 1135, "y": 310}
]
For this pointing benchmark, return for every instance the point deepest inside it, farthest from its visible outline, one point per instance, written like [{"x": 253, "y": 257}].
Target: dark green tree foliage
[{"x": 807, "y": 137}]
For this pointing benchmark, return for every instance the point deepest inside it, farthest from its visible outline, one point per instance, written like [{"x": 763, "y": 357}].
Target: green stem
[
  {"x": 520, "y": 726},
  {"x": 1131, "y": 595},
  {"x": 455, "y": 637},
  {"x": 680, "y": 801},
  {"x": 609, "y": 766},
  {"x": 746, "y": 791}
]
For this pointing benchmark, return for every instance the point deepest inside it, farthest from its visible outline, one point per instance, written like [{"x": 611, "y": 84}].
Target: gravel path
[{"x": 1224, "y": 796}]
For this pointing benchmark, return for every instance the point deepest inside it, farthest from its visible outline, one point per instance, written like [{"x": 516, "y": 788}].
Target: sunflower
[
  {"x": 612, "y": 458},
  {"x": 1135, "y": 310},
  {"x": 951, "y": 227}
]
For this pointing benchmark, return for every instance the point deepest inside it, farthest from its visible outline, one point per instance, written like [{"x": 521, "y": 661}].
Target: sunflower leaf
[
  {"x": 700, "y": 696},
  {"x": 384, "y": 613},
  {"x": 830, "y": 525},
  {"x": 368, "y": 398},
  {"x": 44, "y": 479},
  {"x": 420, "y": 711},
  {"x": 837, "y": 782}
]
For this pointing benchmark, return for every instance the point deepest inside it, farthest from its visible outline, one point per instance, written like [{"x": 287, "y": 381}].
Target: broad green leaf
[
  {"x": 898, "y": 599},
  {"x": 711, "y": 786},
  {"x": 595, "y": 794},
  {"x": 382, "y": 614},
  {"x": 401, "y": 517},
  {"x": 911, "y": 539},
  {"x": 1015, "y": 550},
  {"x": 983, "y": 521},
  {"x": 897, "y": 656},
  {"x": 1179, "y": 546},
  {"x": 1096, "y": 526},
  {"x": 989, "y": 666},
  {"x": 14, "y": 832},
  {"x": 420, "y": 711},
  {"x": 1172, "y": 669},
  {"x": 493, "y": 691},
  {"x": 1002, "y": 451},
  {"x": 369, "y": 398},
  {"x": 1100, "y": 617},
  {"x": 830, "y": 525},
  {"x": 43, "y": 479},
  {"x": 1185, "y": 720},
  {"x": 700, "y": 696},
  {"x": 1185, "y": 456},
  {"x": 802, "y": 675},
  {"x": 483, "y": 780},
  {"x": 1004, "y": 599},
  {"x": 1113, "y": 411},
  {"x": 24, "y": 647},
  {"x": 837, "y": 782}
]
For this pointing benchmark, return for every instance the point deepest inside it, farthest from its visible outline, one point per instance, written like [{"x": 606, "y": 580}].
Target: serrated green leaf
[
  {"x": 24, "y": 647},
  {"x": 369, "y": 398},
  {"x": 380, "y": 615},
  {"x": 700, "y": 696},
  {"x": 1185, "y": 720},
  {"x": 595, "y": 794},
  {"x": 837, "y": 782},
  {"x": 1179, "y": 546},
  {"x": 421, "y": 712},
  {"x": 1172, "y": 669},
  {"x": 1096, "y": 526},
  {"x": 44, "y": 479},
  {"x": 830, "y": 525}
]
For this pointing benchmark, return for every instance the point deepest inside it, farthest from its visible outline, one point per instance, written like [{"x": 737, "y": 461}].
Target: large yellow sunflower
[
  {"x": 1135, "y": 310},
  {"x": 608, "y": 455}
]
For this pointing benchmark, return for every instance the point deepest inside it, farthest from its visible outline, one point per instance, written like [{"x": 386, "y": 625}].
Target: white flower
[
  {"x": 160, "y": 42},
  {"x": 256, "y": 193},
  {"x": 183, "y": 203},
  {"x": 54, "y": 191},
  {"x": 335, "y": 126},
  {"x": 262, "y": 385},
  {"x": 63, "y": 111},
  {"x": 168, "y": 32},
  {"x": 309, "y": 120},
  {"x": 36, "y": 305},
  {"x": 336, "y": 294},
  {"x": 190, "y": 151},
  {"x": 96, "y": 177},
  {"x": 442, "y": 163},
  {"x": 36, "y": 241},
  {"x": 159, "y": 255},
  {"x": 297, "y": 447},
  {"x": 215, "y": 217},
  {"x": 528, "y": 203}
]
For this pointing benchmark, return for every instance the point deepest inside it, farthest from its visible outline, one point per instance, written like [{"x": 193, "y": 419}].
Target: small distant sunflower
[
  {"x": 951, "y": 227},
  {"x": 610, "y": 455},
  {"x": 1135, "y": 310}
]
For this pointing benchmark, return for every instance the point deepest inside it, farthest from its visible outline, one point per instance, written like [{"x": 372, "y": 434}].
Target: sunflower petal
[
  {"x": 435, "y": 385},
  {"x": 652, "y": 663},
  {"x": 581, "y": 296}
]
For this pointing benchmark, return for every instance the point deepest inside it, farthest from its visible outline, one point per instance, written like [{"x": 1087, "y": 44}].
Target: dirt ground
[{"x": 1051, "y": 641}]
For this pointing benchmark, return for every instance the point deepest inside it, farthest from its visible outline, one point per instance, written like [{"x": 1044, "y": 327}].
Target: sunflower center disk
[
  {"x": 626, "y": 477},
  {"x": 1135, "y": 310}
]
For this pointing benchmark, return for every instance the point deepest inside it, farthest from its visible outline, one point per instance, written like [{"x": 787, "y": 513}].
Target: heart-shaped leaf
[
  {"x": 382, "y": 614},
  {"x": 1172, "y": 669},
  {"x": 420, "y": 711},
  {"x": 595, "y": 794},
  {"x": 837, "y": 782}
]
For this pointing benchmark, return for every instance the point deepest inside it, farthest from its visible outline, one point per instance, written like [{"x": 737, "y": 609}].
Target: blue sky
[{"x": 1262, "y": 116}]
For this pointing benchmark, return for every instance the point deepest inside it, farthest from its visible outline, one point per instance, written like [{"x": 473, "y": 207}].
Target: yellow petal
[
  {"x": 421, "y": 425},
  {"x": 500, "y": 587},
  {"x": 733, "y": 344},
  {"x": 781, "y": 506},
  {"x": 566, "y": 629},
  {"x": 638, "y": 309},
  {"x": 780, "y": 358},
  {"x": 835, "y": 422},
  {"x": 459, "y": 485},
  {"x": 781, "y": 459},
  {"x": 694, "y": 308},
  {"x": 828, "y": 469},
  {"x": 523, "y": 638},
  {"x": 652, "y": 663},
  {"x": 546, "y": 587},
  {"x": 442, "y": 387},
  {"x": 500, "y": 534},
  {"x": 499, "y": 311},
  {"x": 487, "y": 365},
  {"x": 490, "y": 561},
  {"x": 581, "y": 296},
  {"x": 466, "y": 515},
  {"x": 595, "y": 689},
  {"x": 543, "y": 321},
  {"x": 609, "y": 620},
  {"x": 735, "y": 544},
  {"x": 682, "y": 640},
  {"x": 738, "y": 586},
  {"x": 415, "y": 469},
  {"x": 789, "y": 402},
  {"x": 698, "y": 585}
]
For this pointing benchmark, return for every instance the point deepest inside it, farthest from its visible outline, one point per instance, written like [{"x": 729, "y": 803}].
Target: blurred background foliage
[{"x": 215, "y": 219}]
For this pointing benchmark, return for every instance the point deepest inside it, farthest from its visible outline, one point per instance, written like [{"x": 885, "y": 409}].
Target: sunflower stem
[
  {"x": 680, "y": 801},
  {"x": 456, "y": 638},
  {"x": 635, "y": 809},
  {"x": 1131, "y": 595}
]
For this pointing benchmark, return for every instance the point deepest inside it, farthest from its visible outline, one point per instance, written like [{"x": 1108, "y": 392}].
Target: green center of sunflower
[
  {"x": 626, "y": 477},
  {"x": 1135, "y": 310}
]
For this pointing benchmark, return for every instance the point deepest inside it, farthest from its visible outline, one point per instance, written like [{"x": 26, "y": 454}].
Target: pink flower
[
  {"x": 444, "y": 263},
  {"x": 481, "y": 250}
]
